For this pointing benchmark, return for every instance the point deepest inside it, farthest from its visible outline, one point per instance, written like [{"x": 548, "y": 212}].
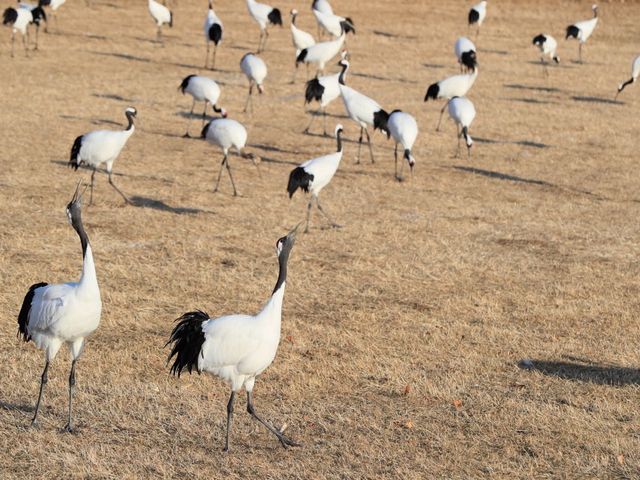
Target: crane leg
[
  {"x": 580, "y": 52},
  {"x": 313, "y": 117},
  {"x": 235, "y": 192},
  {"x": 333, "y": 224},
  {"x": 324, "y": 122},
  {"x": 25, "y": 45},
  {"x": 441, "y": 114},
  {"x": 295, "y": 71},
  {"x": 37, "y": 30},
  {"x": 93, "y": 177},
  {"x": 229, "y": 419},
  {"x": 117, "y": 189},
  {"x": 285, "y": 441},
  {"x": 193, "y": 105},
  {"x": 204, "y": 113},
  {"x": 224, "y": 160},
  {"x": 370, "y": 147},
  {"x": 72, "y": 386},
  {"x": 260, "y": 42},
  {"x": 266, "y": 37},
  {"x": 359, "y": 145},
  {"x": 309, "y": 205},
  {"x": 213, "y": 62},
  {"x": 395, "y": 156},
  {"x": 43, "y": 382},
  {"x": 206, "y": 58},
  {"x": 13, "y": 41},
  {"x": 248, "y": 102}
]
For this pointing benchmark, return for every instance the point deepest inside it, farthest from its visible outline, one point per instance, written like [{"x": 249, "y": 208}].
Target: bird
[
  {"x": 324, "y": 90},
  {"x": 635, "y": 73},
  {"x": 54, "y": 5},
  {"x": 322, "y": 6},
  {"x": 102, "y": 146},
  {"x": 465, "y": 52},
  {"x": 462, "y": 111},
  {"x": 264, "y": 15},
  {"x": 454, "y": 86},
  {"x": 256, "y": 70},
  {"x": 362, "y": 110},
  {"x": 202, "y": 89},
  {"x": 235, "y": 348},
  {"x": 161, "y": 15},
  {"x": 334, "y": 24},
  {"x": 321, "y": 53},
  {"x": 477, "y": 14},
  {"x": 67, "y": 313},
  {"x": 315, "y": 174},
  {"x": 548, "y": 46},
  {"x": 404, "y": 130},
  {"x": 19, "y": 20},
  {"x": 581, "y": 31},
  {"x": 212, "y": 34},
  {"x": 301, "y": 40},
  {"x": 38, "y": 16},
  {"x": 227, "y": 133}
]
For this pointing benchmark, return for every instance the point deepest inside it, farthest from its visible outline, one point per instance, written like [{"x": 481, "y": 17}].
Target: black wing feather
[
  {"x": 275, "y": 18},
  {"x": 215, "y": 33},
  {"x": 75, "y": 153},
  {"x": 187, "y": 338},
  {"x": 299, "y": 178},
  {"x": 23, "y": 316},
  {"x": 313, "y": 91},
  {"x": 9, "y": 16}
]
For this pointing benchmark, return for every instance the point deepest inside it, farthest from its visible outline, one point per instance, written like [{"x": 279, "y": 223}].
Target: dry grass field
[{"x": 479, "y": 320}]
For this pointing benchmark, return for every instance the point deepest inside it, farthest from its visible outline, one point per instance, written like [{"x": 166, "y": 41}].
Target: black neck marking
[
  {"x": 130, "y": 118},
  {"x": 339, "y": 140},
  {"x": 283, "y": 260},
  {"x": 345, "y": 67}
]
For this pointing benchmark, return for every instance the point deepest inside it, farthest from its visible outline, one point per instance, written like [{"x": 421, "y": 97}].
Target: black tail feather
[
  {"x": 9, "y": 16},
  {"x": 215, "y": 33},
  {"x": 348, "y": 26},
  {"x": 314, "y": 91},
  {"x": 23, "y": 316},
  {"x": 75, "y": 153},
  {"x": 185, "y": 83},
  {"x": 474, "y": 16},
  {"x": 432, "y": 92},
  {"x": 469, "y": 59},
  {"x": 301, "y": 56},
  {"x": 170, "y": 19},
  {"x": 380, "y": 119},
  {"x": 572, "y": 31},
  {"x": 38, "y": 15},
  {"x": 187, "y": 338},
  {"x": 539, "y": 40},
  {"x": 203, "y": 134},
  {"x": 275, "y": 18},
  {"x": 299, "y": 178}
]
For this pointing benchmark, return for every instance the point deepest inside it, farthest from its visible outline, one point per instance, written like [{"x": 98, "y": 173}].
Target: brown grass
[{"x": 403, "y": 332}]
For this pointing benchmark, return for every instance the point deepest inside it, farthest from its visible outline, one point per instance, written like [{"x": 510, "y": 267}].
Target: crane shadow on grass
[
  {"x": 394, "y": 35},
  {"x": 154, "y": 204},
  {"x": 518, "y": 86},
  {"x": 607, "y": 101},
  {"x": 523, "y": 143},
  {"x": 530, "y": 181},
  {"x": 115, "y": 174},
  {"x": 584, "y": 371},
  {"x": 22, "y": 407},
  {"x": 534, "y": 101},
  {"x": 383, "y": 79}
]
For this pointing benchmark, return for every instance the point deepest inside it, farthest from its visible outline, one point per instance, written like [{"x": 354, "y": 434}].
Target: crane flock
[{"x": 238, "y": 348}]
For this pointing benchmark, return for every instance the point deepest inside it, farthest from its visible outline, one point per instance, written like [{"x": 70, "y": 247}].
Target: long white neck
[
  {"x": 272, "y": 311},
  {"x": 88, "y": 283}
]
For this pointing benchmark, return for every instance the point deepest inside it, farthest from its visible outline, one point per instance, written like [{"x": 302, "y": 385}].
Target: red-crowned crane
[
  {"x": 102, "y": 146},
  {"x": 454, "y": 86},
  {"x": 201, "y": 89},
  {"x": 235, "y": 348},
  {"x": 404, "y": 130},
  {"x": 462, "y": 112},
  {"x": 53, "y": 315},
  {"x": 212, "y": 34},
  {"x": 264, "y": 15},
  {"x": 581, "y": 31},
  {"x": 635, "y": 73},
  {"x": 315, "y": 174}
]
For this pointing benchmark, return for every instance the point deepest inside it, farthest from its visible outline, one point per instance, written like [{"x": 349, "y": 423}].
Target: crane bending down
[
  {"x": 235, "y": 348},
  {"x": 66, "y": 313}
]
